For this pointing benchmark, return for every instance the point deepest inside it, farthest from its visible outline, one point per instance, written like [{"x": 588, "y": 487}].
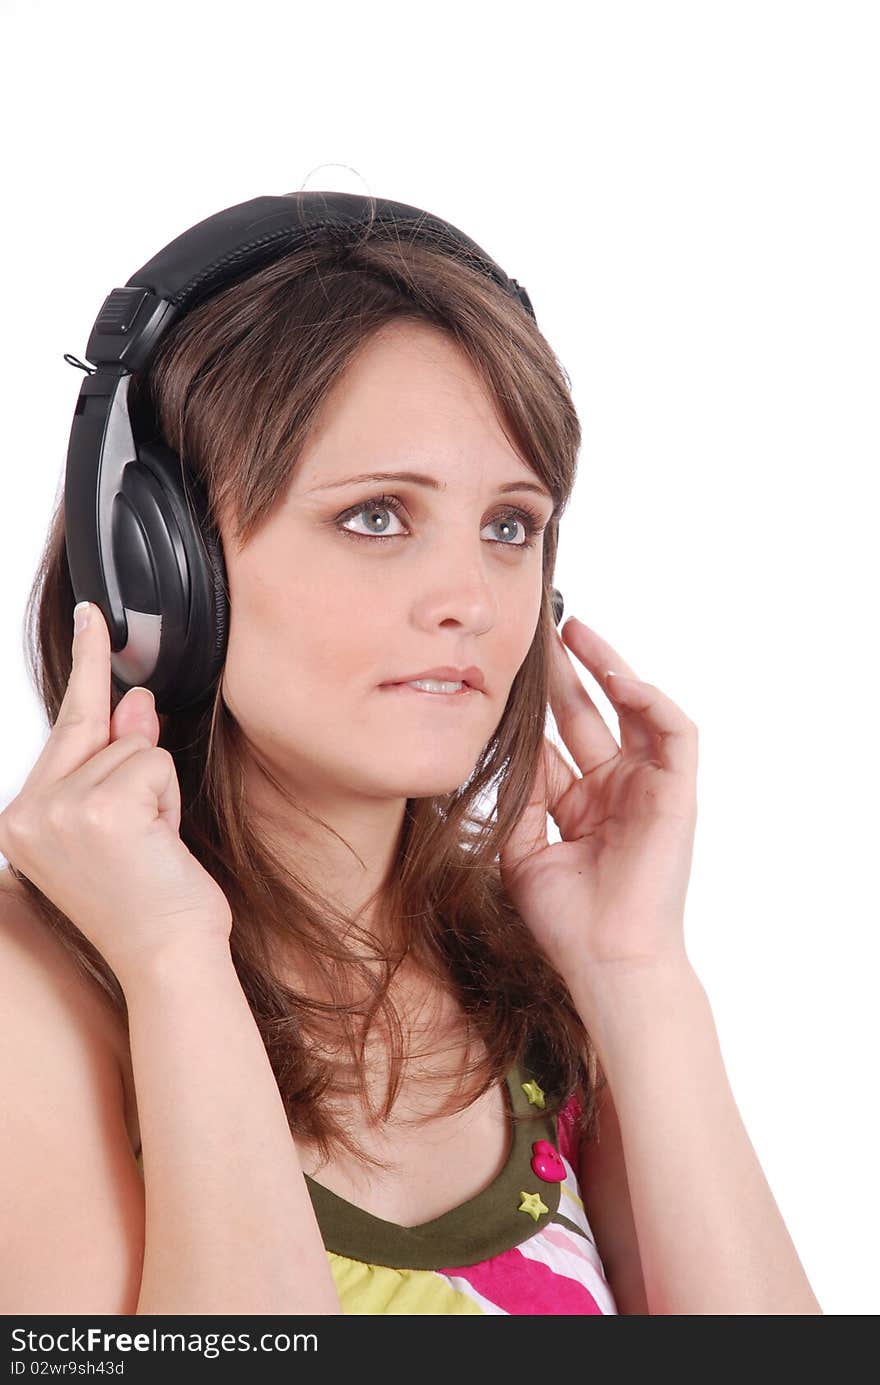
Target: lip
[
  {"x": 464, "y": 694},
  {"x": 472, "y": 677}
]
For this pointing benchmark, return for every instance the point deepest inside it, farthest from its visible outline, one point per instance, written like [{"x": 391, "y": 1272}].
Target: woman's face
[{"x": 325, "y": 612}]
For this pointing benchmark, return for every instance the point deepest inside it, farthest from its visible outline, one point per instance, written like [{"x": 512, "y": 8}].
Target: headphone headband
[{"x": 237, "y": 241}]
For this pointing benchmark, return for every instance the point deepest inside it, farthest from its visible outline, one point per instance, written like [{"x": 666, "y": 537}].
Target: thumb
[
  {"x": 136, "y": 711},
  {"x": 529, "y": 831},
  {"x": 551, "y": 780}
]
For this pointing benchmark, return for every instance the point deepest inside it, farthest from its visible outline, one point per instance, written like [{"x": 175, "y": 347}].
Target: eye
[
  {"x": 530, "y": 523},
  {"x": 373, "y": 507}
]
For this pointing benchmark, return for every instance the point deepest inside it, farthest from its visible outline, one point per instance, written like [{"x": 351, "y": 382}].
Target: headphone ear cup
[
  {"x": 177, "y": 569},
  {"x": 557, "y": 603}
]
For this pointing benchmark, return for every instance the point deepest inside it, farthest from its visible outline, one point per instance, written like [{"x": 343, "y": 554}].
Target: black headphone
[{"x": 134, "y": 546}]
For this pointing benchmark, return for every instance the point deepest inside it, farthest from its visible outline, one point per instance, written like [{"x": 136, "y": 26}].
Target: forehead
[{"x": 411, "y": 397}]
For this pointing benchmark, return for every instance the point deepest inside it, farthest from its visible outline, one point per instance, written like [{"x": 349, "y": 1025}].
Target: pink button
[{"x": 547, "y": 1162}]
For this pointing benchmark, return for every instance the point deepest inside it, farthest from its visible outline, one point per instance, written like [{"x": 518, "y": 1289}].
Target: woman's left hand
[{"x": 613, "y": 889}]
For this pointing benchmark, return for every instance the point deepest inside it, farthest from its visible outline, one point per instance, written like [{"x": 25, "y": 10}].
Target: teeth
[{"x": 434, "y": 685}]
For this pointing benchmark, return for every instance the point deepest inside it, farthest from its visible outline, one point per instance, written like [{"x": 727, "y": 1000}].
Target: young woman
[{"x": 294, "y": 1021}]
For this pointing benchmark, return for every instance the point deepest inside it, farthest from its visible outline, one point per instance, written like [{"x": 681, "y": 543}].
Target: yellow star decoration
[
  {"x": 531, "y": 1203},
  {"x": 534, "y": 1094}
]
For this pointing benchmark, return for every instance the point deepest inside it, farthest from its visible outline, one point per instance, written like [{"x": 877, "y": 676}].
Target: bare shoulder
[
  {"x": 24, "y": 935},
  {"x": 71, "y": 1197},
  {"x": 22, "y": 928}
]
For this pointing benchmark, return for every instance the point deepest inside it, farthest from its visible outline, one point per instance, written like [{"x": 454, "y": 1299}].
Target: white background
[{"x": 689, "y": 193}]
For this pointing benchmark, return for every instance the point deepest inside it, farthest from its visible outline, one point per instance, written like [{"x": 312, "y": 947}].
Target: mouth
[
  {"x": 443, "y": 679},
  {"x": 462, "y": 693}
]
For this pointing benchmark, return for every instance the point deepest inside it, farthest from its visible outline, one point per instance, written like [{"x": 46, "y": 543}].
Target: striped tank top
[{"x": 523, "y": 1245}]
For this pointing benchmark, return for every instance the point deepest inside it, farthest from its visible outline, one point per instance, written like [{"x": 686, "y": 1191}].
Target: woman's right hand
[{"x": 96, "y": 825}]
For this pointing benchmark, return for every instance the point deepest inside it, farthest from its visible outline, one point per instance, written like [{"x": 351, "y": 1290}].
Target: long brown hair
[{"x": 235, "y": 387}]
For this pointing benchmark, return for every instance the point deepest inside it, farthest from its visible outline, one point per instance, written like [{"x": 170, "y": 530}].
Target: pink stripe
[
  {"x": 566, "y": 1240},
  {"x": 567, "y": 1139},
  {"x": 521, "y": 1286}
]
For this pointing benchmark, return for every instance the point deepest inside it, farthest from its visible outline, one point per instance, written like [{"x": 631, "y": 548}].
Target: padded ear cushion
[
  {"x": 219, "y": 597},
  {"x": 208, "y": 604}
]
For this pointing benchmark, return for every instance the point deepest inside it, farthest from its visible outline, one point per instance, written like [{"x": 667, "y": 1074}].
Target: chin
[
  {"x": 436, "y": 788},
  {"x": 428, "y": 784}
]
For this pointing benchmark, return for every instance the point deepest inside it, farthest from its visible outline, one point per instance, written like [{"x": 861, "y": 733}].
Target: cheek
[
  {"x": 305, "y": 651},
  {"x": 516, "y": 639}
]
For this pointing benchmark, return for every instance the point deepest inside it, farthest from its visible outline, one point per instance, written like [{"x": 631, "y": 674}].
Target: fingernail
[
  {"x": 81, "y": 613},
  {"x": 140, "y": 688}
]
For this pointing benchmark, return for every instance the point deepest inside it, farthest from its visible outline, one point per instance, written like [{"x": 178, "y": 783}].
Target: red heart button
[{"x": 547, "y": 1162}]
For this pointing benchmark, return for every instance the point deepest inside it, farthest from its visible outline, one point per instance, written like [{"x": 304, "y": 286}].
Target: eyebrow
[{"x": 419, "y": 479}]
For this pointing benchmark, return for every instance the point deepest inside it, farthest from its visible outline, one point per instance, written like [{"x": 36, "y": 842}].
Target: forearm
[
  {"x": 711, "y": 1237},
  {"x": 230, "y": 1226}
]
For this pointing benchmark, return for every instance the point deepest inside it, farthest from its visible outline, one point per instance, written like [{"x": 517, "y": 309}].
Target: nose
[{"x": 458, "y": 587}]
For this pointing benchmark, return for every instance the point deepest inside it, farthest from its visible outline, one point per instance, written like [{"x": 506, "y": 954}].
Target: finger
[
  {"x": 135, "y": 712},
  {"x": 583, "y": 729},
  {"x": 149, "y": 782},
  {"x": 647, "y": 715},
  {"x": 82, "y": 726},
  {"x": 597, "y": 653},
  {"x": 529, "y": 832},
  {"x": 581, "y": 718},
  {"x": 674, "y": 735},
  {"x": 650, "y": 722}
]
